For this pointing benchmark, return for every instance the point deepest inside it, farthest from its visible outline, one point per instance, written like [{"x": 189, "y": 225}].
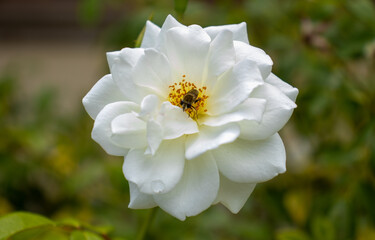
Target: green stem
[{"x": 146, "y": 224}]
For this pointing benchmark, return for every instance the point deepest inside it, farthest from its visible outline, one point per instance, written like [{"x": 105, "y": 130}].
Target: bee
[{"x": 189, "y": 99}]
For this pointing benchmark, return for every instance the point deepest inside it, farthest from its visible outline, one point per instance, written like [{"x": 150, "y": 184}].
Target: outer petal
[
  {"x": 196, "y": 190},
  {"x": 150, "y": 37},
  {"x": 187, "y": 49},
  {"x": 111, "y": 57},
  {"x": 170, "y": 22},
  {"x": 251, "y": 161},
  {"x": 152, "y": 71},
  {"x": 221, "y": 57},
  {"x": 175, "y": 122},
  {"x": 210, "y": 138},
  {"x": 105, "y": 91},
  {"x": 233, "y": 87},
  {"x": 239, "y": 31},
  {"x": 158, "y": 173},
  {"x": 102, "y": 131},
  {"x": 233, "y": 195},
  {"x": 246, "y": 51},
  {"x": 287, "y": 89},
  {"x": 129, "y": 131},
  {"x": 122, "y": 73},
  {"x": 140, "y": 200},
  {"x": 278, "y": 110},
  {"x": 154, "y": 136},
  {"x": 250, "y": 109}
]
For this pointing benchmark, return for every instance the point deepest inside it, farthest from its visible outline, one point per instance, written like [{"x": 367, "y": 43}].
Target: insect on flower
[{"x": 189, "y": 99}]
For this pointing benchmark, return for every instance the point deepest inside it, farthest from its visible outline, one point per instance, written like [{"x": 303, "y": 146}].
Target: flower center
[{"x": 189, "y": 97}]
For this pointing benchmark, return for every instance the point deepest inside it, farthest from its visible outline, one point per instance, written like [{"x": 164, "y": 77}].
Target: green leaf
[
  {"x": 20, "y": 221},
  {"x": 291, "y": 234},
  {"x": 69, "y": 222},
  {"x": 84, "y": 235},
  {"x": 139, "y": 39},
  {"x": 323, "y": 228},
  {"x": 180, "y": 7},
  {"x": 99, "y": 229},
  {"x": 37, "y": 233},
  {"x": 362, "y": 9}
]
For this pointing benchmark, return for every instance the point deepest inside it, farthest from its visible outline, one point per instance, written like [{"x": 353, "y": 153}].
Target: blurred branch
[{"x": 146, "y": 224}]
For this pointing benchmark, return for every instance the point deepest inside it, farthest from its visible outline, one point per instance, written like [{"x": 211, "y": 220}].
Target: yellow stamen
[{"x": 180, "y": 89}]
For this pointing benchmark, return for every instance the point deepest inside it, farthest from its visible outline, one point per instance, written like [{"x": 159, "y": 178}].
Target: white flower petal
[
  {"x": 152, "y": 71},
  {"x": 102, "y": 131},
  {"x": 129, "y": 131},
  {"x": 251, "y": 161},
  {"x": 278, "y": 110},
  {"x": 187, "y": 49},
  {"x": 210, "y": 138},
  {"x": 105, "y": 91},
  {"x": 196, "y": 190},
  {"x": 129, "y": 56},
  {"x": 239, "y": 31},
  {"x": 250, "y": 109},
  {"x": 149, "y": 105},
  {"x": 221, "y": 57},
  {"x": 233, "y": 87},
  {"x": 233, "y": 195},
  {"x": 154, "y": 136},
  {"x": 182, "y": 165},
  {"x": 150, "y": 37},
  {"x": 175, "y": 122},
  {"x": 287, "y": 89},
  {"x": 170, "y": 22},
  {"x": 111, "y": 57},
  {"x": 122, "y": 73},
  {"x": 246, "y": 51},
  {"x": 140, "y": 200},
  {"x": 158, "y": 173}
]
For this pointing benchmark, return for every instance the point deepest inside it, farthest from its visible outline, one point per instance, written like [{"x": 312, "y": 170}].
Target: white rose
[{"x": 184, "y": 156}]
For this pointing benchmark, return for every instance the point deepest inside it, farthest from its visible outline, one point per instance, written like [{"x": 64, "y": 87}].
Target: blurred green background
[{"x": 52, "y": 52}]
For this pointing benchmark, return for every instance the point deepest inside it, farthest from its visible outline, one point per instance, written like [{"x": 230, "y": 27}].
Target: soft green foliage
[
  {"x": 28, "y": 226},
  {"x": 292, "y": 234},
  {"x": 90, "y": 11},
  {"x": 84, "y": 235},
  {"x": 180, "y": 7},
  {"x": 16, "y": 222},
  {"x": 139, "y": 39},
  {"x": 50, "y": 165}
]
